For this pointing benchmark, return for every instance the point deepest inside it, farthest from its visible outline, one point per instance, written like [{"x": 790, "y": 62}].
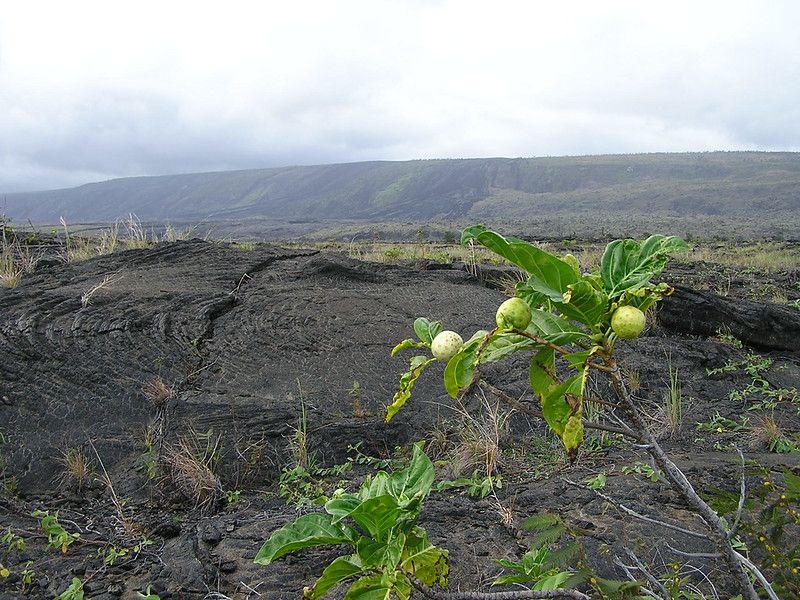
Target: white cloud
[{"x": 93, "y": 90}]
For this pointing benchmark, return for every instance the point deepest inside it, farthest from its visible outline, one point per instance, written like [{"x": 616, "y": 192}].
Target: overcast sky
[{"x": 96, "y": 90}]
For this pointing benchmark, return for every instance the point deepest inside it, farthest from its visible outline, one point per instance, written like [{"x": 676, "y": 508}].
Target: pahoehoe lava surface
[
  {"x": 247, "y": 337},
  {"x": 241, "y": 335}
]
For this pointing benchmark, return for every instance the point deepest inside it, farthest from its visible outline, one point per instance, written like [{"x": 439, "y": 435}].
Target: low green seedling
[
  {"x": 73, "y": 592},
  {"x": 57, "y": 537},
  {"x": 379, "y": 524}
]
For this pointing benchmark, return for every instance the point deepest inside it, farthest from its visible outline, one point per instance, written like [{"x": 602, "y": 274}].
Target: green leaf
[
  {"x": 626, "y": 264},
  {"x": 459, "y": 371},
  {"x": 380, "y": 586},
  {"x": 549, "y": 275},
  {"x": 407, "y": 381},
  {"x": 531, "y": 296},
  {"x": 309, "y": 530},
  {"x": 377, "y": 516},
  {"x": 409, "y": 343},
  {"x": 341, "y": 507},
  {"x": 380, "y": 555},
  {"x": 792, "y": 484},
  {"x": 340, "y": 569},
  {"x": 553, "y": 328},
  {"x": 582, "y": 302},
  {"x": 426, "y": 330},
  {"x": 415, "y": 481},
  {"x": 552, "y": 582},
  {"x": 423, "y": 560},
  {"x": 503, "y": 344},
  {"x": 617, "y": 590},
  {"x": 542, "y": 374},
  {"x": 556, "y": 403}
]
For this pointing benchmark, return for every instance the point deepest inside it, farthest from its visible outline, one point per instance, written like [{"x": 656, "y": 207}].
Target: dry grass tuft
[
  {"x": 88, "y": 295},
  {"x": 158, "y": 392},
  {"x": 190, "y": 470},
  {"x": 479, "y": 444},
  {"x": 77, "y": 469}
]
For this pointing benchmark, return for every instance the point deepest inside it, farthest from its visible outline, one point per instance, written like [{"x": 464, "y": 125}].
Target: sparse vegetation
[
  {"x": 78, "y": 470},
  {"x": 189, "y": 467}
]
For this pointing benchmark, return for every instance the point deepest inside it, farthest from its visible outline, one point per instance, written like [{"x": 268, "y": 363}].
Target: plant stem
[
  {"x": 517, "y": 405},
  {"x": 718, "y": 532}
]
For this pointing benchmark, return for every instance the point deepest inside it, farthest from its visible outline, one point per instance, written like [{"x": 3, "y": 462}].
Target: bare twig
[
  {"x": 758, "y": 575},
  {"x": 742, "y": 496},
  {"x": 718, "y": 531},
  {"x": 641, "y": 517},
  {"x": 657, "y": 585},
  {"x": 693, "y": 554},
  {"x": 629, "y": 574}
]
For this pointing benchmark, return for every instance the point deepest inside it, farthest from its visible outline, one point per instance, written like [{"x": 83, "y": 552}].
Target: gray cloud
[{"x": 95, "y": 91}]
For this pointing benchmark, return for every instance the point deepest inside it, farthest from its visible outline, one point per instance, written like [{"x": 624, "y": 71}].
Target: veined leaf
[
  {"x": 459, "y": 370},
  {"x": 407, "y": 381},
  {"x": 340, "y": 508},
  {"x": 414, "y": 481},
  {"x": 554, "y": 329},
  {"x": 380, "y": 586},
  {"x": 531, "y": 296},
  {"x": 340, "y": 569},
  {"x": 503, "y": 344},
  {"x": 309, "y": 530},
  {"x": 549, "y": 275},
  {"x": 426, "y": 330},
  {"x": 377, "y": 516},
  {"x": 424, "y": 560},
  {"x": 582, "y": 302},
  {"x": 557, "y": 406},
  {"x": 626, "y": 264},
  {"x": 409, "y": 343},
  {"x": 543, "y": 372},
  {"x": 380, "y": 555},
  {"x": 552, "y": 582}
]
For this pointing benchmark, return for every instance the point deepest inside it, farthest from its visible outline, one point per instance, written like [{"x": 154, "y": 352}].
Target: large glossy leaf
[
  {"x": 503, "y": 344},
  {"x": 407, "y": 380},
  {"x": 542, "y": 373},
  {"x": 582, "y": 302},
  {"x": 414, "y": 481},
  {"x": 340, "y": 508},
  {"x": 377, "y": 516},
  {"x": 308, "y": 530},
  {"x": 552, "y": 582},
  {"x": 426, "y": 330},
  {"x": 381, "y": 555},
  {"x": 425, "y": 561},
  {"x": 554, "y": 329},
  {"x": 531, "y": 296},
  {"x": 339, "y": 570},
  {"x": 459, "y": 371},
  {"x": 380, "y": 586},
  {"x": 549, "y": 275},
  {"x": 556, "y": 407},
  {"x": 626, "y": 264}
]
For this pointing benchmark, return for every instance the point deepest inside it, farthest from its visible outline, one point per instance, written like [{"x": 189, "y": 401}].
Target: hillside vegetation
[{"x": 723, "y": 191}]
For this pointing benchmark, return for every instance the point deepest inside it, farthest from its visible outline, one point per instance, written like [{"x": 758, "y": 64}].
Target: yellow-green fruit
[
  {"x": 514, "y": 313},
  {"x": 446, "y": 345},
  {"x": 627, "y": 322}
]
